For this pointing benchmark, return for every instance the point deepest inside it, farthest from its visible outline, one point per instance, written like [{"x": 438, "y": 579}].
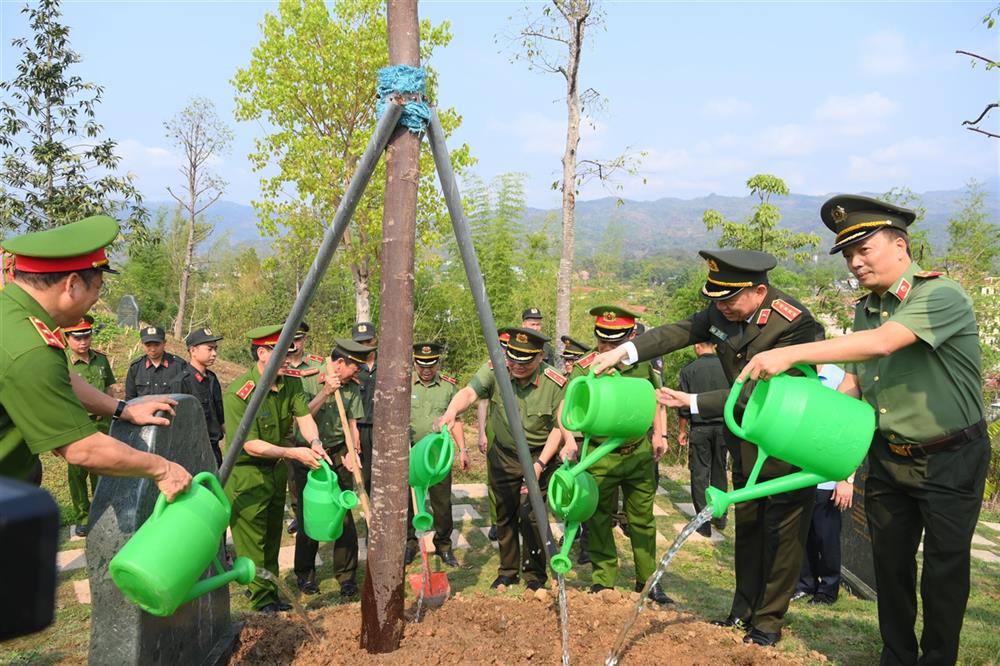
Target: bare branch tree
[{"x": 203, "y": 136}]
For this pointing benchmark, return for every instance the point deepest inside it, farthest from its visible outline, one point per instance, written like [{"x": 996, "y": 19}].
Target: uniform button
[
  {"x": 885, "y": 314},
  {"x": 892, "y": 435},
  {"x": 876, "y": 377},
  {"x": 739, "y": 355},
  {"x": 882, "y": 411}
]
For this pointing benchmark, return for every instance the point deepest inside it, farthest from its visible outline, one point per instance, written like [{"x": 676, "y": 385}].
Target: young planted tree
[
  {"x": 990, "y": 20},
  {"x": 201, "y": 134},
  {"x": 311, "y": 81},
  {"x": 55, "y": 167},
  {"x": 760, "y": 231},
  {"x": 553, "y": 42}
]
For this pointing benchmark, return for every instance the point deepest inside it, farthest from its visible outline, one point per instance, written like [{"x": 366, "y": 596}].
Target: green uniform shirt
[
  {"x": 538, "y": 402},
  {"x": 38, "y": 410},
  {"x": 640, "y": 370},
  {"x": 309, "y": 370},
  {"x": 274, "y": 419},
  {"x": 331, "y": 430},
  {"x": 934, "y": 386},
  {"x": 428, "y": 402},
  {"x": 97, "y": 372}
]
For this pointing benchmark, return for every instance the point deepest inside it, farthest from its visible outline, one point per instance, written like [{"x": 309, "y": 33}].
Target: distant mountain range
[{"x": 650, "y": 227}]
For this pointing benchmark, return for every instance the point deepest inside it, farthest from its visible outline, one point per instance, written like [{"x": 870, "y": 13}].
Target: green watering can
[
  {"x": 158, "y": 568},
  {"x": 573, "y": 499},
  {"x": 430, "y": 463},
  {"x": 324, "y": 504},
  {"x": 800, "y": 421}
]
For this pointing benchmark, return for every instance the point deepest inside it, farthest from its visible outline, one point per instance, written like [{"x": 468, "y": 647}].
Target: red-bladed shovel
[{"x": 432, "y": 586}]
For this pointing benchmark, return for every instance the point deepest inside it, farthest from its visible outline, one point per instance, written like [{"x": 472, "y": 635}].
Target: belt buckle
[{"x": 901, "y": 450}]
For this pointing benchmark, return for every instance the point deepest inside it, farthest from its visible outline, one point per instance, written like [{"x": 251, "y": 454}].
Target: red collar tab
[
  {"x": 245, "y": 389},
  {"x": 95, "y": 259},
  {"x": 764, "y": 315},
  {"x": 903, "y": 289},
  {"x": 199, "y": 376}
]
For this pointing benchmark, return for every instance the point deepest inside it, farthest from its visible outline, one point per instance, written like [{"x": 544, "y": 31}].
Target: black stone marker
[
  {"x": 857, "y": 566},
  {"x": 200, "y": 632}
]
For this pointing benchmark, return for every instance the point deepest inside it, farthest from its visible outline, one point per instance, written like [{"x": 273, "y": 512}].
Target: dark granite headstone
[
  {"x": 857, "y": 565},
  {"x": 121, "y": 633},
  {"x": 128, "y": 311}
]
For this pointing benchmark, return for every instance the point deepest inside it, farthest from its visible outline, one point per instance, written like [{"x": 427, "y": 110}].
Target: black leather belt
[{"x": 954, "y": 439}]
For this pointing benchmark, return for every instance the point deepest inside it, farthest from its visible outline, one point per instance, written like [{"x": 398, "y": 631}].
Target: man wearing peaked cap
[
  {"x": 746, "y": 316},
  {"x": 157, "y": 371},
  {"x": 256, "y": 487},
  {"x": 430, "y": 395},
  {"x": 539, "y": 390},
  {"x": 486, "y": 435},
  {"x": 915, "y": 356},
  {"x": 308, "y": 368},
  {"x": 203, "y": 350},
  {"x": 572, "y": 352},
  {"x": 95, "y": 369},
  {"x": 532, "y": 318},
  {"x": 629, "y": 470},
  {"x": 57, "y": 276},
  {"x": 365, "y": 333},
  {"x": 338, "y": 373}
]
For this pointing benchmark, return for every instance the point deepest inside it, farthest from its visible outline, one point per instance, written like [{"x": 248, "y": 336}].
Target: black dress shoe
[
  {"x": 349, "y": 589},
  {"x": 283, "y": 607},
  {"x": 409, "y": 556},
  {"x": 597, "y": 587},
  {"x": 448, "y": 558},
  {"x": 762, "y": 638},
  {"x": 269, "y": 609},
  {"x": 822, "y": 600},
  {"x": 493, "y": 533},
  {"x": 656, "y": 593},
  {"x": 731, "y": 621},
  {"x": 504, "y": 580},
  {"x": 293, "y": 526},
  {"x": 584, "y": 557},
  {"x": 307, "y": 585},
  {"x": 80, "y": 530},
  {"x": 799, "y": 594},
  {"x": 719, "y": 525},
  {"x": 535, "y": 585}
]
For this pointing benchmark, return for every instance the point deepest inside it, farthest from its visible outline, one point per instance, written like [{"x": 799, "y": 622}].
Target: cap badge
[
  {"x": 362, "y": 328},
  {"x": 838, "y": 214},
  {"x": 425, "y": 349},
  {"x": 208, "y": 331},
  {"x": 150, "y": 331},
  {"x": 610, "y": 316},
  {"x": 712, "y": 266},
  {"x": 521, "y": 337}
]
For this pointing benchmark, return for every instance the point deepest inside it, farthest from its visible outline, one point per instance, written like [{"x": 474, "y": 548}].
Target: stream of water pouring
[
  {"x": 292, "y": 598},
  {"x": 696, "y": 522},
  {"x": 564, "y": 618}
]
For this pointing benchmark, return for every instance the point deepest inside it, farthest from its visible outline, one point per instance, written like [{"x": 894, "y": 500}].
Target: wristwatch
[
  {"x": 850, "y": 479},
  {"x": 316, "y": 440},
  {"x": 118, "y": 410}
]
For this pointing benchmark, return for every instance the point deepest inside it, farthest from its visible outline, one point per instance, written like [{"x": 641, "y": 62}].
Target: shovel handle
[{"x": 352, "y": 451}]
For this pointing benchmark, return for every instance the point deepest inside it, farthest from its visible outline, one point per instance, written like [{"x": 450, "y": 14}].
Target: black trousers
[
  {"x": 345, "y": 549},
  {"x": 939, "y": 496},
  {"x": 821, "y": 564},
  {"x": 439, "y": 500},
  {"x": 365, "y": 435},
  {"x": 707, "y": 463}
]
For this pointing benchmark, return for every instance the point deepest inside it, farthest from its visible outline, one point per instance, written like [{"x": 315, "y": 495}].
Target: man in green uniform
[
  {"x": 203, "y": 348},
  {"x": 308, "y": 368},
  {"x": 915, "y": 357},
  {"x": 746, "y": 317},
  {"x": 256, "y": 487},
  {"x": 486, "y": 437},
  {"x": 630, "y": 469},
  {"x": 532, "y": 318},
  {"x": 346, "y": 359},
  {"x": 57, "y": 276},
  {"x": 706, "y": 444},
  {"x": 539, "y": 392},
  {"x": 573, "y": 351},
  {"x": 95, "y": 369},
  {"x": 430, "y": 396},
  {"x": 158, "y": 371},
  {"x": 365, "y": 333}
]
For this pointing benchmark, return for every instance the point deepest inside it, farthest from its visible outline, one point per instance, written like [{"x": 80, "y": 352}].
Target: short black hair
[
  {"x": 893, "y": 233},
  {"x": 46, "y": 280},
  {"x": 334, "y": 355}
]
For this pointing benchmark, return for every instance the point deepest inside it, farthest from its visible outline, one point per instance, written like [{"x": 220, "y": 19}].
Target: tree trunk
[
  {"x": 362, "y": 293},
  {"x": 383, "y": 594},
  {"x": 185, "y": 275},
  {"x": 564, "y": 280}
]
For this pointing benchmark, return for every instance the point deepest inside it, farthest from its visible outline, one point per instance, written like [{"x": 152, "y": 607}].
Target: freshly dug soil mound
[{"x": 505, "y": 630}]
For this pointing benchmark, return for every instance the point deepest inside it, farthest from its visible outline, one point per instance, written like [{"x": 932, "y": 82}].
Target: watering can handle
[
  {"x": 734, "y": 394},
  {"x": 208, "y": 480}
]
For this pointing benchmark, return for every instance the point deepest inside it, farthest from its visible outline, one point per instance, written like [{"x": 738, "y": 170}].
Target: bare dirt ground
[{"x": 499, "y": 629}]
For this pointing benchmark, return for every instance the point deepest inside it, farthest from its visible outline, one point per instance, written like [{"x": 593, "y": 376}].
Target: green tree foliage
[
  {"x": 920, "y": 240},
  {"x": 55, "y": 167},
  {"x": 973, "y": 239},
  {"x": 311, "y": 81},
  {"x": 760, "y": 231}
]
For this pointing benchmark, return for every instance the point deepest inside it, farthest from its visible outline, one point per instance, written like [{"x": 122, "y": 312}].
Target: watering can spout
[
  {"x": 561, "y": 563},
  {"x": 243, "y": 572},
  {"x": 422, "y": 521},
  {"x": 720, "y": 500}
]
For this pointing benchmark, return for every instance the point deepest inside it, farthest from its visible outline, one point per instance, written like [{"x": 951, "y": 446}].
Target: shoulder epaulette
[
  {"x": 318, "y": 359},
  {"x": 52, "y": 339},
  {"x": 587, "y": 360},
  {"x": 786, "y": 310},
  {"x": 305, "y": 372},
  {"x": 928, "y": 274},
  {"x": 246, "y": 389},
  {"x": 555, "y": 376},
  {"x": 450, "y": 380}
]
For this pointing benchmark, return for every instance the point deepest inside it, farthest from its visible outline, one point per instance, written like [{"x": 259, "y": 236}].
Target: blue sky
[{"x": 829, "y": 96}]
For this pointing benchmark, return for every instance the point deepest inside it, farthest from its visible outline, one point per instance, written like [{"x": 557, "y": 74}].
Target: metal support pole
[
  {"x": 452, "y": 197},
  {"x": 331, "y": 239}
]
